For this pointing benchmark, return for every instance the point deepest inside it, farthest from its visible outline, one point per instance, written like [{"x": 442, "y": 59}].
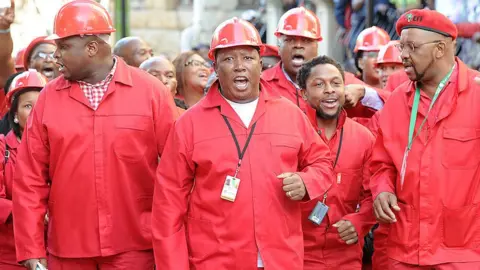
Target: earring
[{"x": 15, "y": 120}]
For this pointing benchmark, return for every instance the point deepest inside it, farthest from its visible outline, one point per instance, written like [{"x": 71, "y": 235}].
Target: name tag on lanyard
[{"x": 232, "y": 183}]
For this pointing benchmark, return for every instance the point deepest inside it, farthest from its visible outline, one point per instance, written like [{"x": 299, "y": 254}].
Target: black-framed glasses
[
  {"x": 196, "y": 63},
  {"x": 410, "y": 46}
]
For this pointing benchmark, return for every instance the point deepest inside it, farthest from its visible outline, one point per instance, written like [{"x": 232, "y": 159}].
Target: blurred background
[{"x": 174, "y": 26}]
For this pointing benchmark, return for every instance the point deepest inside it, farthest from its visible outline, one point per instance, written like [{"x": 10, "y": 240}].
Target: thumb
[
  {"x": 284, "y": 175},
  {"x": 338, "y": 224},
  {"x": 393, "y": 202}
]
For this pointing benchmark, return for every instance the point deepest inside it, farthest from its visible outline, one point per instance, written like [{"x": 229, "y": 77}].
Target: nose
[
  {"x": 238, "y": 65},
  {"x": 298, "y": 43},
  {"x": 329, "y": 89},
  {"x": 56, "y": 55},
  {"x": 164, "y": 79}
]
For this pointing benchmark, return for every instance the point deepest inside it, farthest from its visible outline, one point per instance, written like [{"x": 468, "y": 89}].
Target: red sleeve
[
  {"x": 382, "y": 168},
  {"x": 467, "y": 29},
  {"x": 175, "y": 176},
  {"x": 364, "y": 219},
  {"x": 165, "y": 113},
  {"x": 5, "y": 204},
  {"x": 30, "y": 186},
  {"x": 315, "y": 164},
  {"x": 372, "y": 125}
]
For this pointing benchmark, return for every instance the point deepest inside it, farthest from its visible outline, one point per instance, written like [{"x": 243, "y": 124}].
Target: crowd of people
[{"x": 242, "y": 156}]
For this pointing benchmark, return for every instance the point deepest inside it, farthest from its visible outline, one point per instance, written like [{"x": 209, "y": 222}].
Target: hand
[
  {"x": 46, "y": 219},
  {"x": 353, "y": 94},
  {"x": 382, "y": 205},
  {"x": 477, "y": 80},
  {"x": 31, "y": 264},
  {"x": 7, "y": 19},
  {"x": 347, "y": 231},
  {"x": 293, "y": 186}
]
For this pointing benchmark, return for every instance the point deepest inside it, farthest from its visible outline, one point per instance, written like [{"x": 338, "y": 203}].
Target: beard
[
  {"x": 325, "y": 116},
  {"x": 419, "y": 76}
]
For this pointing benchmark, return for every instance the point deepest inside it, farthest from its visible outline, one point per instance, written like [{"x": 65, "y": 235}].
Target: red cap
[
  {"x": 19, "y": 58},
  {"x": 234, "y": 32},
  {"x": 270, "y": 50},
  {"x": 429, "y": 20},
  {"x": 299, "y": 22},
  {"x": 33, "y": 44},
  {"x": 389, "y": 54},
  {"x": 27, "y": 79}
]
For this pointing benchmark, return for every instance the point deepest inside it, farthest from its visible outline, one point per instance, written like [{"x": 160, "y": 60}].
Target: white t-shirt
[{"x": 246, "y": 111}]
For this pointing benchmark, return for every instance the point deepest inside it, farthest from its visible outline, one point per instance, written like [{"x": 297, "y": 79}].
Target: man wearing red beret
[{"x": 426, "y": 160}]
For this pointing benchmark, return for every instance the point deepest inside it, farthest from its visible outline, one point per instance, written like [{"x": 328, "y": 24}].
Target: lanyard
[
  {"x": 241, "y": 153},
  {"x": 416, "y": 101},
  {"x": 413, "y": 120},
  {"x": 339, "y": 148}
]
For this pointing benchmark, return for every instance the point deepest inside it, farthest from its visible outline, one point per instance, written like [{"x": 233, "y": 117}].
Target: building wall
[{"x": 160, "y": 22}]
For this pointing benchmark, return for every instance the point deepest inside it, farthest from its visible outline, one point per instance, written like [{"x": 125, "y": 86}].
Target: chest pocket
[
  {"x": 285, "y": 151},
  {"x": 349, "y": 184},
  {"x": 460, "y": 148},
  {"x": 132, "y": 138}
]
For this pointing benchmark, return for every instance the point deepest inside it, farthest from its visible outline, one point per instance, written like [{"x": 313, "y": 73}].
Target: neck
[
  {"x": 293, "y": 76},
  {"x": 100, "y": 72},
  {"x": 329, "y": 125},
  {"x": 192, "y": 96},
  {"x": 429, "y": 86}
]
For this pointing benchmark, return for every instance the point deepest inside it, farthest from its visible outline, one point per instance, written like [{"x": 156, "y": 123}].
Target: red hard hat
[
  {"x": 19, "y": 58},
  {"x": 389, "y": 54},
  {"x": 299, "y": 22},
  {"x": 234, "y": 32},
  {"x": 371, "y": 39},
  {"x": 33, "y": 44},
  {"x": 270, "y": 50},
  {"x": 27, "y": 79},
  {"x": 82, "y": 17}
]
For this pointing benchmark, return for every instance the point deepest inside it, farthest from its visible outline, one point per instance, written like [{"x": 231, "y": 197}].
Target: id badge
[
  {"x": 318, "y": 213},
  {"x": 230, "y": 188}
]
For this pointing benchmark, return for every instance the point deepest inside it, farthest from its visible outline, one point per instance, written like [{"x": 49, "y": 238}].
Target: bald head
[
  {"x": 133, "y": 50},
  {"x": 161, "y": 68}
]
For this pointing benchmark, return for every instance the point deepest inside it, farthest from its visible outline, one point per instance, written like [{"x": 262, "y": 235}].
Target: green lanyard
[{"x": 413, "y": 116}]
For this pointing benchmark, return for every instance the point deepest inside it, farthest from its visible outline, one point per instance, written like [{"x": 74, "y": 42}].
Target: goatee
[{"x": 321, "y": 114}]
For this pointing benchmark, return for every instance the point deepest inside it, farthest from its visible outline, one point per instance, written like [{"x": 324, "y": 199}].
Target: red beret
[
  {"x": 428, "y": 20},
  {"x": 33, "y": 44},
  {"x": 270, "y": 50}
]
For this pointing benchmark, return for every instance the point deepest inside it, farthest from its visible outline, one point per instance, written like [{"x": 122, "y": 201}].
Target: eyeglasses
[
  {"x": 410, "y": 46},
  {"x": 197, "y": 63},
  {"x": 44, "y": 56}
]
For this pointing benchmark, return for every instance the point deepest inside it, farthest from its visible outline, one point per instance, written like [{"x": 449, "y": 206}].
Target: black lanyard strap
[
  {"x": 339, "y": 148},
  {"x": 241, "y": 153}
]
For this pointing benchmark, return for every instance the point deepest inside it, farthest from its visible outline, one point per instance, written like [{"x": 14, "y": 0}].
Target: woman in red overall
[{"x": 21, "y": 98}]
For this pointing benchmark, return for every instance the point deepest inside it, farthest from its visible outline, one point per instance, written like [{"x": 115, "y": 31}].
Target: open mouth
[
  {"x": 60, "y": 66},
  {"x": 49, "y": 72},
  {"x": 298, "y": 60},
  {"x": 408, "y": 66},
  {"x": 330, "y": 103},
  {"x": 203, "y": 75},
  {"x": 241, "y": 82}
]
